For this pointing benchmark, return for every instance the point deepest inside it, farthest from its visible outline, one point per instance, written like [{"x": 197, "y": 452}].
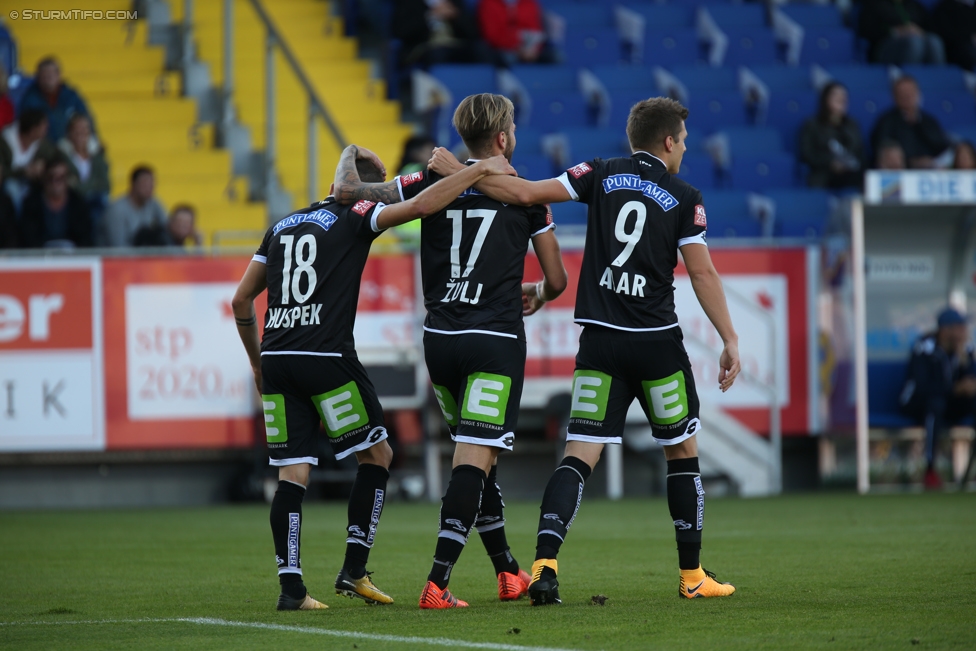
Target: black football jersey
[
  {"x": 315, "y": 259},
  {"x": 472, "y": 259},
  {"x": 639, "y": 215}
]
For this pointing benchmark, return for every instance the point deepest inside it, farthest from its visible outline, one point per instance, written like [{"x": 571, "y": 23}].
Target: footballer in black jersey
[
  {"x": 472, "y": 262},
  {"x": 640, "y": 215},
  {"x": 306, "y": 367}
]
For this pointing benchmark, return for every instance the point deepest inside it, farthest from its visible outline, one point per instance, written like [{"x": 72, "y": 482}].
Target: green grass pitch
[{"x": 827, "y": 571}]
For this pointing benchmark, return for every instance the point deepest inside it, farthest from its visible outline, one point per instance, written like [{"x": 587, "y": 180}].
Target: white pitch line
[{"x": 378, "y": 637}]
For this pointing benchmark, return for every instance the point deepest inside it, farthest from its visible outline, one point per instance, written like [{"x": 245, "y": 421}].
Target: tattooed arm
[{"x": 348, "y": 188}]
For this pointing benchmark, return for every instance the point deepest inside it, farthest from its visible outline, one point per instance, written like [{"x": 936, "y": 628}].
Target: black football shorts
[
  {"x": 613, "y": 367},
  {"x": 301, "y": 391},
  {"x": 477, "y": 381}
]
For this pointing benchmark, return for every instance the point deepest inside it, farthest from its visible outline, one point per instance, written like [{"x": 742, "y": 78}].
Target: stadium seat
[
  {"x": 625, "y": 78},
  {"x": 714, "y": 110},
  {"x": 578, "y": 14},
  {"x": 965, "y": 133},
  {"x": 753, "y": 140},
  {"x": 885, "y": 382},
  {"x": 701, "y": 77},
  {"x": 528, "y": 140},
  {"x": 553, "y": 111},
  {"x": 750, "y": 45},
  {"x": 779, "y": 76},
  {"x": 863, "y": 78},
  {"x": 811, "y": 15},
  {"x": 665, "y": 17},
  {"x": 952, "y": 108},
  {"x": 540, "y": 78},
  {"x": 787, "y": 111},
  {"x": 762, "y": 172},
  {"x": 738, "y": 15},
  {"x": 827, "y": 46},
  {"x": 465, "y": 80},
  {"x": 728, "y": 215},
  {"x": 867, "y": 107},
  {"x": 533, "y": 167},
  {"x": 570, "y": 214},
  {"x": 585, "y": 144},
  {"x": 698, "y": 170},
  {"x": 592, "y": 46},
  {"x": 800, "y": 212},
  {"x": 936, "y": 79},
  {"x": 673, "y": 47}
]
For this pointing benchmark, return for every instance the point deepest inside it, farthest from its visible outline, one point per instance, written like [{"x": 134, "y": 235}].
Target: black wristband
[{"x": 246, "y": 322}]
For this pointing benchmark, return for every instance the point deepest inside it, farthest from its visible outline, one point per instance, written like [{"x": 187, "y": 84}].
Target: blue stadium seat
[
  {"x": 753, "y": 140},
  {"x": 622, "y": 103},
  {"x": 585, "y": 144},
  {"x": 965, "y": 133},
  {"x": 665, "y": 17},
  {"x": 464, "y": 80},
  {"x": 728, "y": 215},
  {"x": 800, "y": 212},
  {"x": 596, "y": 14},
  {"x": 698, "y": 170},
  {"x": 810, "y": 15},
  {"x": 952, "y": 108},
  {"x": 592, "y": 46},
  {"x": 534, "y": 168},
  {"x": 827, "y": 46},
  {"x": 536, "y": 78},
  {"x": 861, "y": 77},
  {"x": 673, "y": 47},
  {"x": 761, "y": 172},
  {"x": 713, "y": 110},
  {"x": 626, "y": 78},
  {"x": 570, "y": 214},
  {"x": 788, "y": 110},
  {"x": 782, "y": 77},
  {"x": 738, "y": 15},
  {"x": 867, "y": 107},
  {"x": 750, "y": 45},
  {"x": 932, "y": 79},
  {"x": 885, "y": 382},
  {"x": 527, "y": 141},
  {"x": 700, "y": 77},
  {"x": 554, "y": 111}
]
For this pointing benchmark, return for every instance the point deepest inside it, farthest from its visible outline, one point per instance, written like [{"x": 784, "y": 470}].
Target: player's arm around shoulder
[
  {"x": 555, "y": 279},
  {"x": 348, "y": 188},
  {"x": 252, "y": 284},
  {"x": 506, "y": 189},
  {"x": 708, "y": 288},
  {"x": 435, "y": 197}
]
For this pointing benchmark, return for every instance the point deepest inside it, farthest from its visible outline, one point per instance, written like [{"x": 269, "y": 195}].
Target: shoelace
[{"x": 710, "y": 575}]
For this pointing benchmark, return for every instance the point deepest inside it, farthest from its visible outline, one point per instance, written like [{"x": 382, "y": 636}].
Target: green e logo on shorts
[
  {"x": 667, "y": 398},
  {"x": 341, "y": 410},
  {"x": 448, "y": 406},
  {"x": 591, "y": 391},
  {"x": 486, "y": 398},
  {"x": 274, "y": 418}
]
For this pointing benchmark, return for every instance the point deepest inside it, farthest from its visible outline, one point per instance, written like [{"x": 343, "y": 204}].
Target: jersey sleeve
[
  {"x": 540, "y": 219},
  {"x": 579, "y": 180},
  {"x": 261, "y": 255},
  {"x": 410, "y": 185},
  {"x": 368, "y": 211},
  {"x": 692, "y": 222}
]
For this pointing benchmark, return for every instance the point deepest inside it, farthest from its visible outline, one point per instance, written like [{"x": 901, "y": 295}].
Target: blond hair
[
  {"x": 479, "y": 118},
  {"x": 652, "y": 120}
]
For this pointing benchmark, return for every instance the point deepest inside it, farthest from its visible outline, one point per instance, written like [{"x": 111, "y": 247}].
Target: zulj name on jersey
[
  {"x": 285, "y": 317},
  {"x": 459, "y": 292}
]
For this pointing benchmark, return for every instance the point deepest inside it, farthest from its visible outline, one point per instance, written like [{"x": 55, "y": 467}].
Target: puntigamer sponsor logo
[
  {"x": 322, "y": 218},
  {"x": 649, "y": 189}
]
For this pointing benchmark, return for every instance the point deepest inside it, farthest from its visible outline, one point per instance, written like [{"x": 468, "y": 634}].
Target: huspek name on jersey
[
  {"x": 322, "y": 218},
  {"x": 289, "y": 317},
  {"x": 649, "y": 189}
]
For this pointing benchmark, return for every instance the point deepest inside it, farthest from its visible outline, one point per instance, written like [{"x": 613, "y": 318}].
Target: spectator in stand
[
  {"x": 436, "y": 31},
  {"x": 89, "y": 170},
  {"x": 919, "y": 134},
  {"x": 964, "y": 156},
  {"x": 940, "y": 383},
  {"x": 9, "y": 237},
  {"x": 138, "y": 208},
  {"x": 889, "y": 156},
  {"x": 513, "y": 29},
  {"x": 896, "y": 30},
  {"x": 7, "y": 114},
  {"x": 24, "y": 142},
  {"x": 50, "y": 94},
  {"x": 955, "y": 22},
  {"x": 54, "y": 215},
  {"x": 416, "y": 153},
  {"x": 830, "y": 142},
  {"x": 181, "y": 227}
]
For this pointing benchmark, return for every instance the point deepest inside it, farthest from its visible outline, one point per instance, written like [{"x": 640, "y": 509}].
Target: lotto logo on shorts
[
  {"x": 579, "y": 170},
  {"x": 486, "y": 398},
  {"x": 667, "y": 399},
  {"x": 447, "y": 404},
  {"x": 591, "y": 391},
  {"x": 274, "y": 418},
  {"x": 341, "y": 410},
  {"x": 700, "y": 216},
  {"x": 407, "y": 179},
  {"x": 362, "y": 207}
]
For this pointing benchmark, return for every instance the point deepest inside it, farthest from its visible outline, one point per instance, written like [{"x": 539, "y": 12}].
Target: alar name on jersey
[{"x": 625, "y": 284}]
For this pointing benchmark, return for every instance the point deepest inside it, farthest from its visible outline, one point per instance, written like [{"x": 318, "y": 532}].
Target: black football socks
[
  {"x": 286, "y": 529},
  {"x": 459, "y": 509},
  {"x": 686, "y": 501},
  {"x": 365, "y": 508},
  {"x": 560, "y": 503},
  {"x": 491, "y": 526}
]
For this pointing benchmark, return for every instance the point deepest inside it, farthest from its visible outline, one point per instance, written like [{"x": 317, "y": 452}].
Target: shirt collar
[{"x": 644, "y": 153}]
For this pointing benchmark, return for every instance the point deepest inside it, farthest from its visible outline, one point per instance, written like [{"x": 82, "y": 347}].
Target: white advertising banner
[{"x": 920, "y": 187}]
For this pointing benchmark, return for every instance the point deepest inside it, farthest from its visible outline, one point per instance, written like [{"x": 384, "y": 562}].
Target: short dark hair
[
  {"x": 652, "y": 120},
  {"x": 368, "y": 171},
  {"x": 46, "y": 61},
  {"x": 30, "y": 119},
  {"x": 138, "y": 171},
  {"x": 182, "y": 207},
  {"x": 903, "y": 79},
  {"x": 57, "y": 159}
]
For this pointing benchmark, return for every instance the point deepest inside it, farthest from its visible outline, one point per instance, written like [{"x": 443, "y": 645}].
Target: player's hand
[
  {"x": 498, "y": 165},
  {"x": 366, "y": 154},
  {"x": 531, "y": 303},
  {"x": 257, "y": 377},
  {"x": 728, "y": 366},
  {"x": 443, "y": 162}
]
